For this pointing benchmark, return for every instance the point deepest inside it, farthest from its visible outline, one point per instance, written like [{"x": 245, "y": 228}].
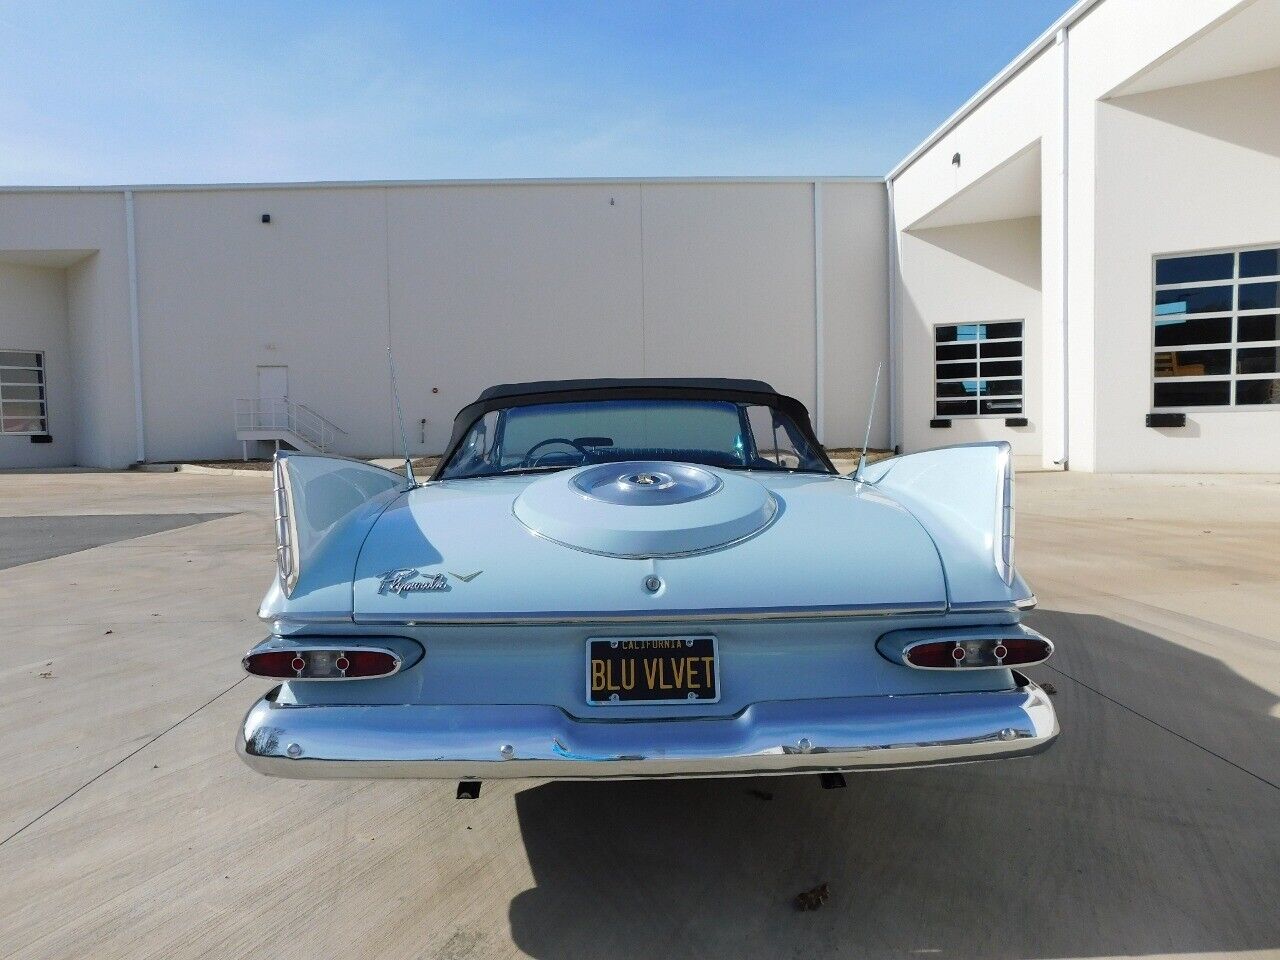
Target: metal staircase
[{"x": 283, "y": 422}]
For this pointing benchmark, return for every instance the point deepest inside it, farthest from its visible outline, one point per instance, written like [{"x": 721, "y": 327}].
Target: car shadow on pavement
[{"x": 1126, "y": 838}]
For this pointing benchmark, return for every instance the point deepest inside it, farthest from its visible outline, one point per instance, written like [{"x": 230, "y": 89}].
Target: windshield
[{"x": 553, "y": 436}]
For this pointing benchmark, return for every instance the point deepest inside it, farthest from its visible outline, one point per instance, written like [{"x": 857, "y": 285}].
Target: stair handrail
[{"x": 281, "y": 413}]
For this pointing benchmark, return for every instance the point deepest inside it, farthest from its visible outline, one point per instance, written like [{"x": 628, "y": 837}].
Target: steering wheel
[{"x": 530, "y": 461}]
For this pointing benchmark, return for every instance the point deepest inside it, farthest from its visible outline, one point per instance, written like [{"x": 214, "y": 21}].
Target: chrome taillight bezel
[
  {"x": 897, "y": 646},
  {"x": 307, "y": 652}
]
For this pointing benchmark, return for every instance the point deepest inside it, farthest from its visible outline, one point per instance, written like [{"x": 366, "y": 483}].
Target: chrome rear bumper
[{"x": 784, "y": 736}]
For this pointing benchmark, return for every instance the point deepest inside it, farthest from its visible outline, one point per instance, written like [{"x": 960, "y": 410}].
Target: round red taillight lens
[
  {"x": 273, "y": 663},
  {"x": 370, "y": 663},
  {"x": 1027, "y": 650},
  {"x": 939, "y": 654}
]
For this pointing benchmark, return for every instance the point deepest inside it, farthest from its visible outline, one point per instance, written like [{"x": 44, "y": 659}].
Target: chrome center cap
[{"x": 655, "y": 480}]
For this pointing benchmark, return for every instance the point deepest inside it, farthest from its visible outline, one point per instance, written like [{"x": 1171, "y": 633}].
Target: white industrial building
[{"x": 1083, "y": 260}]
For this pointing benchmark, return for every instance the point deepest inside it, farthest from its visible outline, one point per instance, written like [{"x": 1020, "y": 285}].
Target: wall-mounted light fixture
[
  {"x": 266, "y": 218},
  {"x": 955, "y": 159}
]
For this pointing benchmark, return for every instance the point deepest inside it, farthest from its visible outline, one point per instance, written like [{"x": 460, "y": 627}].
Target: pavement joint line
[
  {"x": 128, "y": 756},
  {"x": 1137, "y": 713}
]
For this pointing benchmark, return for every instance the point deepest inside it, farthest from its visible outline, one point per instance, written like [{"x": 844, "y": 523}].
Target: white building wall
[
  {"x": 729, "y": 283},
  {"x": 1108, "y": 192},
  {"x": 33, "y": 317},
  {"x": 501, "y": 283},
  {"x": 1189, "y": 168},
  {"x": 988, "y": 269},
  {"x": 1115, "y": 41},
  {"x": 86, "y": 233},
  {"x": 472, "y": 283},
  {"x": 855, "y": 329},
  {"x": 220, "y": 293},
  {"x": 970, "y": 273}
]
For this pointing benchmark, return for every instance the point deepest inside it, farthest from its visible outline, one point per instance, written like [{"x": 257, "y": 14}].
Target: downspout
[
  {"x": 819, "y": 348},
  {"x": 893, "y": 319},
  {"x": 1065, "y": 134},
  {"x": 131, "y": 252}
]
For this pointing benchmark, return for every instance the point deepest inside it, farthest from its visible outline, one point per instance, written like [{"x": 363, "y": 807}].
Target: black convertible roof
[
  {"x": 618, "y": 388},
  {"x": 723, "y": 384}
]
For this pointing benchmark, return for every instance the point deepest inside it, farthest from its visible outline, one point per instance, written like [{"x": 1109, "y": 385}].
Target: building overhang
[
  {"x": 1009, "y": 191},
  {"x": 44, "y": 258},
  {"x": 1240, "y": 42}
]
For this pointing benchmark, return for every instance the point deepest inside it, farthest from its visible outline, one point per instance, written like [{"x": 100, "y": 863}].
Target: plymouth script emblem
[{"x": 413, "y": 580}]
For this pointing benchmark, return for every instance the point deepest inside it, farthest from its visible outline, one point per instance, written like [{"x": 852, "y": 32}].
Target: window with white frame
[
  {"x": 1216, "y": 340},
  {"x": 977, "y": 369},
  {"x": 22, "y": 393}
]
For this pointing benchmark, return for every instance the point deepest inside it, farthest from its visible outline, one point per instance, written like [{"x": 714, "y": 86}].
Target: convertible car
[{"x": 643, "y": 578}]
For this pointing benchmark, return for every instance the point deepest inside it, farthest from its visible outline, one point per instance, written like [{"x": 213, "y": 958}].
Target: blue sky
[{"x": 226, "y": 91}]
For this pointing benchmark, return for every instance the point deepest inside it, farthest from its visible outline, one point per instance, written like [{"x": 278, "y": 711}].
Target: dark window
[
  {"x": 555, "y": 436},
  {"x": 961, "y": 386},
  {"x": 1193, "y": 393},
  {"x": 1260, "y": 263},
  {"x": 22, "y": 393},
  {"x": 1257, "y": 391},
  {"x": 956, "y": 351},
  {"x": 1007, "y": 348},
  {"x": 958, "y": 388},
  {"x": 1003, "y": 331},
  {"x": 1002, "y": 368},
  {"x": 1001, "y": 388},
  {"x": 1001, "y": 407},
  {"x": 1193, "y": 300},
  {"x": 1258, "y": 360},
  {"x": 1172, "y": 332},
  {"x": 1259, "y": 296},
  {"x": 1201, "y": 360},
  {"x": 1259, "y": 327},
  {"x": 1192, "y": 363},
  {"x": 1211, "y": 266},
  {"x": 952, "y": 371}
]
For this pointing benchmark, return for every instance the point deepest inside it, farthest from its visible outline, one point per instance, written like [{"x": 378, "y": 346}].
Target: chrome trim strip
[
  {"x": 663, "y": 616},
  {"x": 983, "y": 606},
  {"x": 484, "y": 742},
  {"x": 669, "y": 616},
  {"x": 305, "y": 620}
]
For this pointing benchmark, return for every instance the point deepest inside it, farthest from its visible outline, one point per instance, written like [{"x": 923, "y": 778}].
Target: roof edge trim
[
  {"x": 365, "y": 184},
  {"x": 992, "y": 86}
]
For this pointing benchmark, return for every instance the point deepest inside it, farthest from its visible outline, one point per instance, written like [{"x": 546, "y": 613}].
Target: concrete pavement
[{"x": 1151, "y": 828}]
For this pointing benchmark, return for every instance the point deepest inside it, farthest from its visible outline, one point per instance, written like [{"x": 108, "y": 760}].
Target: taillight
[
  {"x": 327, "y": 663},
  {"x": 969, "y": 654}
]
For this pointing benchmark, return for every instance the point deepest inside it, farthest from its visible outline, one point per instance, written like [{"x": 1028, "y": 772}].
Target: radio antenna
[
  {"x": 866, "y": 440},
  {"x": 404, "y": 439}
]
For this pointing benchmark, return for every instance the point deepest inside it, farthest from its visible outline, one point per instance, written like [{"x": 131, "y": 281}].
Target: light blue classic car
[{"x": 643, "y": 578}]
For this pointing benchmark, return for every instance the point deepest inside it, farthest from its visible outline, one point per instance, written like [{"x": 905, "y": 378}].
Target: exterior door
[{"x": 273, "y": 387}]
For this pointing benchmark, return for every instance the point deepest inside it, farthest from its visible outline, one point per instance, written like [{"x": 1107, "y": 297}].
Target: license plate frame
[{"x": 659, "y": 649}]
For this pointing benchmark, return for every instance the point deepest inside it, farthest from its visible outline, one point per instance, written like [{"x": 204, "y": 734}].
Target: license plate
[{"x": 652, "y": 670}]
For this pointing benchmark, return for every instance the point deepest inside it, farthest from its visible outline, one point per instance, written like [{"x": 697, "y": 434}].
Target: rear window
[{"x": 716, "y": 433}]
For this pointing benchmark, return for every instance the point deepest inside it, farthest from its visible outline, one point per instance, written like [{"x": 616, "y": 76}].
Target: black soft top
[
  {"x": 731, "y": 389},
  {"x": 722, "y": 384}
]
